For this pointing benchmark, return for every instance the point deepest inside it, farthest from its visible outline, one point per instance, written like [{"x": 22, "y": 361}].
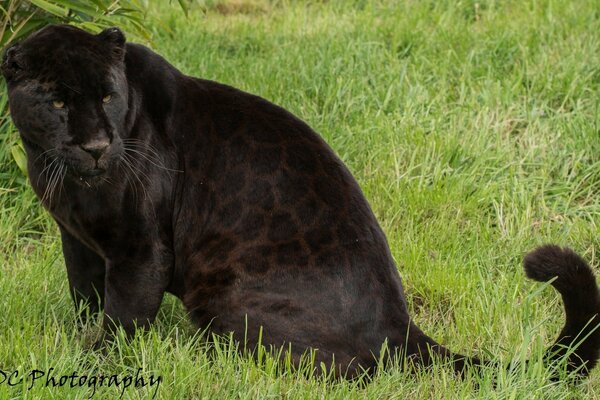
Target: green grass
[{"x": 473, "y": 128}]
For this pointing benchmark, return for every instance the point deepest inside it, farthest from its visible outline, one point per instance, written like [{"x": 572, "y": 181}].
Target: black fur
[{"x": 575, "y": 281}]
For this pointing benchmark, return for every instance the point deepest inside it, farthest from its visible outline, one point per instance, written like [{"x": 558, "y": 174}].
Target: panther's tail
[{"x": 579, "y": 340}]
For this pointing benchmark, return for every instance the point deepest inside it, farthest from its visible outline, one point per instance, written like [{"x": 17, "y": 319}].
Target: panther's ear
[
  {"x": 116, "y": 40},
  {"x": 13, "y": 64}
]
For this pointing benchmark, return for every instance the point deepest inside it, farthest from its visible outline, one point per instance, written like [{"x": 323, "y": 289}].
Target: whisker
[
  {"x": 147, "y": 152},
  {"x": 47, "y": 170},
  {"x": 62, "y": 180},
  {"x": 129, "y": 180},
  {"x": 70, "y": 87},
  {"x": 56, "y": 180},
  {"x": 149, "y": 159},
  {"x": 48, "y": 191},
  {"x": 134, "y": 172},
  {"x": 146, "y": 146},
  {"x": 140, "y": 170},
  {"x": 43, "y": 154},
  {"x": 143, "y": 174}
]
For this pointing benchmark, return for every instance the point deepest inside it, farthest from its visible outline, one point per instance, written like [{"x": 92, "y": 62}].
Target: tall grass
[{"x": 473, "y": 129}]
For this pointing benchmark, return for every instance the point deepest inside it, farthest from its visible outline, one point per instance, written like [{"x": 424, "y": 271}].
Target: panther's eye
[
  {"x": 58, "y": 104},
  {"x": 107, "y": 98}
]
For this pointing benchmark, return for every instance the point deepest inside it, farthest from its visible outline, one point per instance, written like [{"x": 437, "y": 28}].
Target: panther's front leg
[
  {"x": 134, "y": 288},
  {"x": 86, "y": 272}
]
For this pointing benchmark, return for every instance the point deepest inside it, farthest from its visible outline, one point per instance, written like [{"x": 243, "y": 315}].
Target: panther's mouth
[
  {"x": 93, "y": 172},
  {"x": 89, "y": 177}
]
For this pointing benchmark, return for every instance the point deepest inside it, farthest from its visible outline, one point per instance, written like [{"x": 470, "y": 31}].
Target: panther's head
[{"x": 68, "y": 97}]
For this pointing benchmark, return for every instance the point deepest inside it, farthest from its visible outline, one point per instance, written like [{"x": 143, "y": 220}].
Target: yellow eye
[
  {"x": 58, "y": 104},
  {"x": 107, "y": 98}
]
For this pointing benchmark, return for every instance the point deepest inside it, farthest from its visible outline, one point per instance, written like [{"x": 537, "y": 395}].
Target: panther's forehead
[
  {"x": 63, "y": 39},
  {"x": 68, "y": 85},
  {"x": 62, "y": 57},
  {"x": 70, "y": 70},
  {"x": 38, "y": 86}
]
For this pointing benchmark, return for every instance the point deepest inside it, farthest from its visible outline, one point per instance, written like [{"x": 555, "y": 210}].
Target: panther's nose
[{"x": 96, "y": 147}]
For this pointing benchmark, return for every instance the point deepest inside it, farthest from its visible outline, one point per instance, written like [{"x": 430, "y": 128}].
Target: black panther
[{"x": 161, "y": 182}]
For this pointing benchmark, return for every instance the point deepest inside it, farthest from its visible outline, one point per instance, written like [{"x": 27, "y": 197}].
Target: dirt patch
[{"x": 247, "y": 7}]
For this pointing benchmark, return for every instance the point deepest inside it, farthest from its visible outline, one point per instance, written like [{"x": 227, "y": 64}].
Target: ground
[{"x": 473, "y": 129}]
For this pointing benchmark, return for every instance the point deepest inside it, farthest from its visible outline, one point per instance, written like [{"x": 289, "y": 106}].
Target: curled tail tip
[
  {"x": 549, "y": 261},
  {"x": 576, "y": 283}
]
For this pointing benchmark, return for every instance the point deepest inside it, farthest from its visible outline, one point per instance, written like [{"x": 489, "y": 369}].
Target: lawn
[{"x": 473, "y": 128}]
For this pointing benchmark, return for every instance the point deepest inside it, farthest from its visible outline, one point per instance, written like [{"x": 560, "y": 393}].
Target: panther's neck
[{"x": 153, "y": 91}]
